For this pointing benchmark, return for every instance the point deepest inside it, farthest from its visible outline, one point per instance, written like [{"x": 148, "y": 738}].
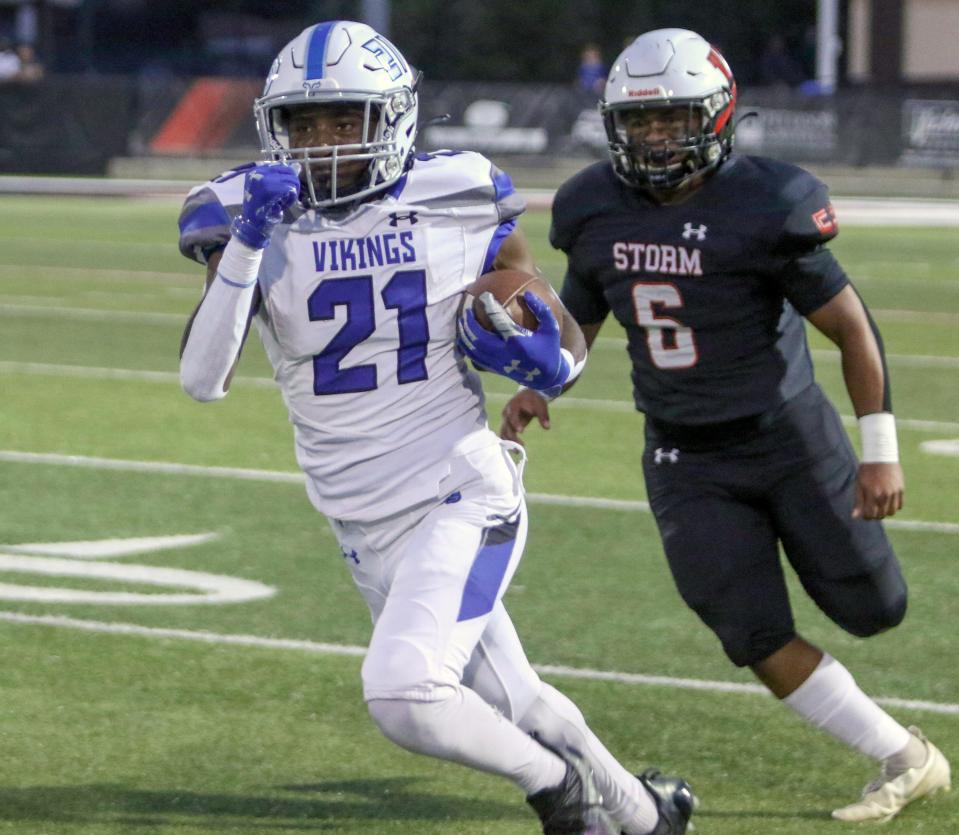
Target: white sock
[
  {"x": 558, "y": 722},
  {"x": 463, "y": 728},
  {"x": 913, "y": 755},
  {"x": 831, "y": 700}
]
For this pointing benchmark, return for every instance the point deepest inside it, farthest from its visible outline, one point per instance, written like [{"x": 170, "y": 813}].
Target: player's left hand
[
  {"x": 879, "y": 491},
  {"x": 519, "y": 412},
  {"x": 532, "y": 358}
]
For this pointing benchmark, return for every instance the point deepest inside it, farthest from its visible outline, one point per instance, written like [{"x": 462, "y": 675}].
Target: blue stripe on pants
[{"x": 486, "y": 576}]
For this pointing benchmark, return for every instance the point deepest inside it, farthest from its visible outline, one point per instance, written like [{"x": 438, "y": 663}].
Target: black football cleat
[
  {"x": 675, "y": 801},
  {"x": 575, "y": 806}
]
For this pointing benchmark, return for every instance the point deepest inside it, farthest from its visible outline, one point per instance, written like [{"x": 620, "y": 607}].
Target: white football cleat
[{"x": 884, "y": 798}]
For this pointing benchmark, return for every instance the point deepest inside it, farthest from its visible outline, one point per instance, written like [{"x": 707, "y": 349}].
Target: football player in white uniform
[{"x": 350, "y": 253}]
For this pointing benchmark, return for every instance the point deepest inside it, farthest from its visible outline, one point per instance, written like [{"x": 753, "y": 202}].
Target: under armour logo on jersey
[
  {"x": 670, "y": 456},
  {"x": 396, "y": 217},
  {"x": 697, "y": 232},
  {"x": 513, "y": 371},
  {"x": 350, "y": 554}
]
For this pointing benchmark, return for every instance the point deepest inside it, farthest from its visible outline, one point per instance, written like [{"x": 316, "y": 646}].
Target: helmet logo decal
[
  {"x": 719, "y": 63},
  {"x": 386, "y": 57},
  {"x": 274, "y": 72}
]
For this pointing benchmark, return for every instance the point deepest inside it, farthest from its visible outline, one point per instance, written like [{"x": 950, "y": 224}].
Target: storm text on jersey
[
  {"x": 364, "y": 253},
  {"x": 629, "y": 256}
]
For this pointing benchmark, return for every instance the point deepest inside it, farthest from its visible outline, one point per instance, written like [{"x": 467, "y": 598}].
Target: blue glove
[
  {"x": 269, "y": 189},
  {"x": 531, "y": 358}
]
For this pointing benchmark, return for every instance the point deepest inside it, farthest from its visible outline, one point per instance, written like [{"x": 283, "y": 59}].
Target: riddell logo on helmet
[{"x": 645, "y": 91}]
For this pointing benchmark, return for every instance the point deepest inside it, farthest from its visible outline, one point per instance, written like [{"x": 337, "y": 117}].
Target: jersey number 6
[{"x": 681, "y": 353}]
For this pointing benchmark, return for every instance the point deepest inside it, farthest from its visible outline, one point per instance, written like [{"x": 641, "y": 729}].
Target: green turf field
[{"x": 145, "y": 728}]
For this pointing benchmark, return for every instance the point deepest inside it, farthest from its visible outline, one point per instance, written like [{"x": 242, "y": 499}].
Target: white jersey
[{"x": 358, "y": 318}]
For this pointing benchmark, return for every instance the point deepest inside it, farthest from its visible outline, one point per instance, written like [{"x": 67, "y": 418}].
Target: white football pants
[{"x": 433, "y": 578}]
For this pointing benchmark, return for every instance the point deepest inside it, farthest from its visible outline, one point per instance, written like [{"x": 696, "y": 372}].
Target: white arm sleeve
[{"x": 220, "y": 325}]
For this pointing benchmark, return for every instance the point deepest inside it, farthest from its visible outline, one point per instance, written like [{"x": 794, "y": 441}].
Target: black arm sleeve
[
  {"x": 583, "y": 298},
  {"x": 811, "y": 279},
  {"x": 886, "y": 387}
]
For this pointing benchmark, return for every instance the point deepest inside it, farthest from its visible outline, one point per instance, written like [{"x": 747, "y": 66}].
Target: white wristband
[
  {"x": 878, "y": 435},
  {"x": 239, "y": 264},
  {"x": 575, "y": 368}
]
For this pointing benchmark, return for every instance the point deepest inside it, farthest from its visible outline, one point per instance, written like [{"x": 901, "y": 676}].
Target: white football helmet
[
  {"x": 341, "y": 62},
  {"x": 669, "y": 68}
]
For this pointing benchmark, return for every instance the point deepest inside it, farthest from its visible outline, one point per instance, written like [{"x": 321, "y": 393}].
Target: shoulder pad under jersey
[
  {"x": 580, "y": 197},
  {"x": 458, "y": 180},
  {"x": 207, "y": 213},
  {"x": 805, "y": 217}
]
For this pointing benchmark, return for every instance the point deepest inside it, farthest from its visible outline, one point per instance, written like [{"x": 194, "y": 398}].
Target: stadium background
[{"x": 124, "y": 710}]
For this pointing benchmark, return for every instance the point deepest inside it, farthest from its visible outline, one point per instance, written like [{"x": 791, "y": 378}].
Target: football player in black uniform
[{"x": 710, "y": 261}]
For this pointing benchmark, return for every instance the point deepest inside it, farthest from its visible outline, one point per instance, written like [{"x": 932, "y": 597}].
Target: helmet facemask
[
  {"x": 340, "y": 172},
  {"x": 662, "y": 145}
]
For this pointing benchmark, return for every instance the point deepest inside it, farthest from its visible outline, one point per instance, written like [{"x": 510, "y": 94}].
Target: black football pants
[{"x": 724, "y": 505}]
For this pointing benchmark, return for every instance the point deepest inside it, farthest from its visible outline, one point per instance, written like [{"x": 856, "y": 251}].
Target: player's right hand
[
  {"x": 269, "y": 189},
  {"x": 525, "y": 405},
  {"x": 879, "y": 491},
  {"x": 533, "y": 358}
]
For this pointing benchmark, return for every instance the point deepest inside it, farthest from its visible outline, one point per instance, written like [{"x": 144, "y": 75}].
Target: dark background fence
[{"x": 76, "y": 123}]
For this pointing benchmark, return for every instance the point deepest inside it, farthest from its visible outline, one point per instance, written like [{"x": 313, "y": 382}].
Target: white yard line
[
  {"x": 610, "y": 343},
  {"x": 116, "y": 275},
  {"x": 567, "y": 402},
  {"x": 97, "y": 373},
  {"x": 921, "y": 317},
  {"x": 86, "y": 314},
  {"x": 358, "y": 652},
  {"x": 150, "y": 317},
  {"x": 284, "y": 477}
]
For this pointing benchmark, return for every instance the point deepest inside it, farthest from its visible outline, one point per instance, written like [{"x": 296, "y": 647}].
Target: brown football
[{"x": 507, "y": 287}]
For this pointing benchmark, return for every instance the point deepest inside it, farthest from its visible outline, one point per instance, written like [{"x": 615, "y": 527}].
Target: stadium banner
[{"x": 930, "y": 133}]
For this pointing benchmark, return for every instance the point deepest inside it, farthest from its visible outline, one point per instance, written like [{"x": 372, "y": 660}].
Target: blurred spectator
[
  {"x": 30, "y": 68},
  {"x": 18, "y": 63},
  {"x": 9, "y": 61},
  {"x": 591, "y": 73},
  {"x": 777, "y": 68}
]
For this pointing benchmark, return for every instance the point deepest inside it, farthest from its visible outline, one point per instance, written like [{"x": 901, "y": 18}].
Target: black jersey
[{"x": 711, "y": 291}]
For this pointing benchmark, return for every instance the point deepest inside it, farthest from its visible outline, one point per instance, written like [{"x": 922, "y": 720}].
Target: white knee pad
[
  {"x": 414, "y": 725},
  {"x": 398, "y": 668}
]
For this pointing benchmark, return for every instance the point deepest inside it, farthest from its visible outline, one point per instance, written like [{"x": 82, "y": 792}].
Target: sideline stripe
[
  {"x": 623, "y": 406},
  {"x": 359, "y": 652},
  {"x": 89, "y": 462},
  {"x": 853, "y": 211}
]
